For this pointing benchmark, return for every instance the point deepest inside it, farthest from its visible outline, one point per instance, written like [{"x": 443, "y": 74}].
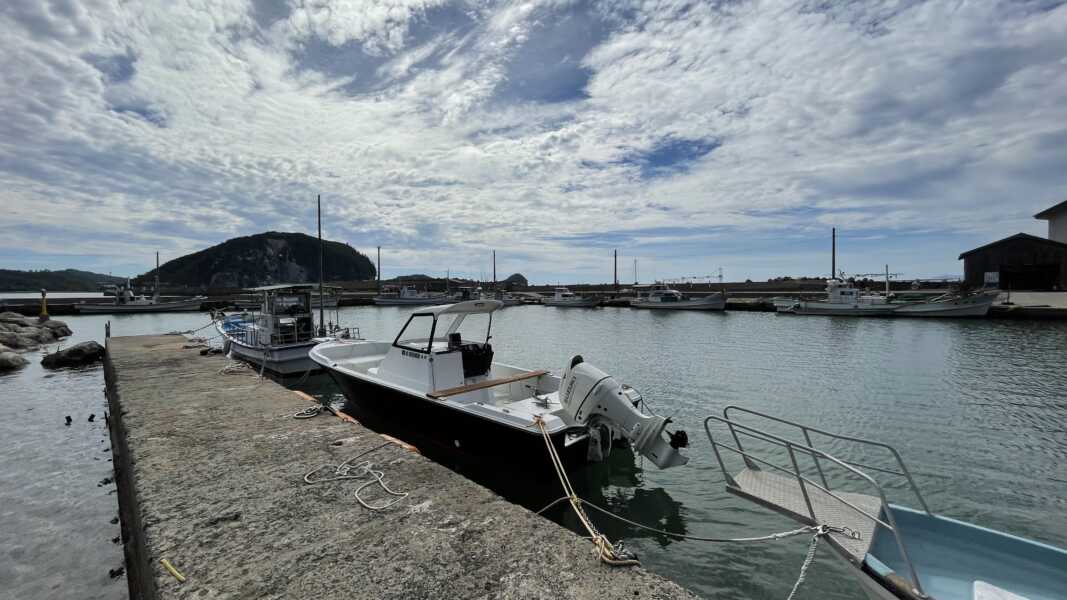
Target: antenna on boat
[
  {"x": 833, "y": 253},
  {"x": 155, "y": 293},
  {"x": 322, "y": 261}
]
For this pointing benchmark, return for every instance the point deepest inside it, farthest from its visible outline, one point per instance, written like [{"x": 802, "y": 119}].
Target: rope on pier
[
  {"x": 612, "y": 554},
  {"x": 361, "y": 470},
  {"x": 616, "y": 555}
]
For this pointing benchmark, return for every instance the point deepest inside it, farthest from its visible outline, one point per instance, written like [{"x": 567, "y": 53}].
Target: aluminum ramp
[{"x": 783, "y": 494}]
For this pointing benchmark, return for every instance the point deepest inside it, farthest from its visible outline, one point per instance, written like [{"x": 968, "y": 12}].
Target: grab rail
[
  {"x": 904, "y": 472},
  {"x": 792, "y": 448}
]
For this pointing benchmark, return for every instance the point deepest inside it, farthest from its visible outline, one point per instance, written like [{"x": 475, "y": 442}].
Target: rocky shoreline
[{"x": 19, "y": 334}]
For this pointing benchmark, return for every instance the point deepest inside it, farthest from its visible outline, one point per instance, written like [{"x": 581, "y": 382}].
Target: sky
[{"x": 690, "y": 136}]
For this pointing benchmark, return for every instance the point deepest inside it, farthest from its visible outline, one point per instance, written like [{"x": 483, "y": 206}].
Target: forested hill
[
  {"x": 263, "y": 259},
  {"x": 67, "y": 280}
]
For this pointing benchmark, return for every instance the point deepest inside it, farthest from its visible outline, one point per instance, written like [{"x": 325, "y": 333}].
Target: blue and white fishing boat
[{"x": 895, "y": 552}]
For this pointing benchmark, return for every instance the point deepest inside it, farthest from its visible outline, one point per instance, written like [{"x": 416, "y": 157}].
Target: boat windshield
[
  {"x": 416, "y": 333},
  {"x": 290, "y": 304},
  {"x": 471, "y": 327}
]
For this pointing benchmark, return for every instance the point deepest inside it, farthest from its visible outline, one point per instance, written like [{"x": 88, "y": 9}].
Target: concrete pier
[{"x": 210, "y": 470}]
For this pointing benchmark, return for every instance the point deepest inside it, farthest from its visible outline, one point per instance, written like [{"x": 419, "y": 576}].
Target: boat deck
[{"x": 783, "y": 494}]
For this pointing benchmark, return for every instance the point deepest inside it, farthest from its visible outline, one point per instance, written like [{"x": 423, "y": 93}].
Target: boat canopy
[{"x": 470, "y": 307}]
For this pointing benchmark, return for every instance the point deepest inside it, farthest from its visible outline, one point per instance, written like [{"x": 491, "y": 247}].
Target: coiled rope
[{"x": 361, "y": 470}]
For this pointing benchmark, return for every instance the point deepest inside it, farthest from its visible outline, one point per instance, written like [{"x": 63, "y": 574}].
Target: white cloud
[{"x": 770, "y": 121}]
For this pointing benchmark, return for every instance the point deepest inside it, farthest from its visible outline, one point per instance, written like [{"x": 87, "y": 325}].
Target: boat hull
[
  {"x": 839, "y": 310},
  {"x": 181, "y": 306},
  {"x": 281, "y": 360},
  {"x": 716, "y": 302},
  {"x": 394, "y": 411},
  {"x": 965, "y": 308},
  {"x": 584, "y": 303},
  {"x": 410, "y": 301}
]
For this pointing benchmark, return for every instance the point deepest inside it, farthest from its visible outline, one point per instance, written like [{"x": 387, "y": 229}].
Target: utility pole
[
  {"x": 379, "y": 270},
  {"x": 322, "y": 273},
  {"x": 635, "y": 272},
  {"x": 494, "y": 270},
  {"x": 616, "y": 270},
  {"x": 833, "y": 253}
]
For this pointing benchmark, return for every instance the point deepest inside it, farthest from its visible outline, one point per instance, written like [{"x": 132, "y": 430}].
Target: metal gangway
[{"x": 787, "y": 490}]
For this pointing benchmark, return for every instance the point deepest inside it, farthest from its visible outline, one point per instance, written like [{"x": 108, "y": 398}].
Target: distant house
[{"x": 1023, "y": 261}]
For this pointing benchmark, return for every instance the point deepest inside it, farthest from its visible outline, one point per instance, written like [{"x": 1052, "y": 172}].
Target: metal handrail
[
  {"x": 904, "y": 472},
  {"x": 791, "y": 447}
]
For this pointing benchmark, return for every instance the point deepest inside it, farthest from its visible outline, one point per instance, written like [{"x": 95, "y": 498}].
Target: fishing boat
[
  {"x": 278, "y": 336},
  {"x": 660, "y": 296},
  {"x": 438, "y": 376},
  {"x": 506, "y": 298},
  {"x": 126, "y": 301},
  {"x": 564, "y": 298},
  {"x": 408, "y": 296},
  {"x": 842, "y": 300},
  {"x": 894, "y": 552}
]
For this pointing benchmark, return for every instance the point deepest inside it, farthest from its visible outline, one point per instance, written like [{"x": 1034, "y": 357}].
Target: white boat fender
[{"x": 591, "y": 397}]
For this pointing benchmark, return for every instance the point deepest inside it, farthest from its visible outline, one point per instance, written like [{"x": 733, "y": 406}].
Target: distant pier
[{"x": 210, "y": 469}]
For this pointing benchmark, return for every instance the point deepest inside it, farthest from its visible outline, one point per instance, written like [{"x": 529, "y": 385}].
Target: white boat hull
[
  {"x": 192, "y": 304},
  {"x": 967, "y": 307},
  {"x": 713, "y": 302},
  {"x": 411, "y": 301},
  {"x": 283, "y": 360},
  {"x": 839, "y": 310},
  {"x": 582, "y": 303}
]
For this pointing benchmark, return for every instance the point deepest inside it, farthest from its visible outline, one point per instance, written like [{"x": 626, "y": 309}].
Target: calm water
[{"x": 977, "y": 408}]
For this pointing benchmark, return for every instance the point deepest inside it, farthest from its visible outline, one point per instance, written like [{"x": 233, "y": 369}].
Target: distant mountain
[
  {"x": 263, "y": 259},
  {"x": 67, "y": 280}
]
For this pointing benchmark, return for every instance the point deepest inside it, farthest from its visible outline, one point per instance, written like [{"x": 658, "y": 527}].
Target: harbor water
[{"x": 977, "y": 409}]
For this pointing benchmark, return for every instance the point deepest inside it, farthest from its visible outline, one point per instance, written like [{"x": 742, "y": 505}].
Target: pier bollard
[{"x": 44, "y": 307}]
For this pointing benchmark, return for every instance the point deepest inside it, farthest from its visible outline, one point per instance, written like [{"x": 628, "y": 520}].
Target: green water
[{"x": 977, "y": 408}]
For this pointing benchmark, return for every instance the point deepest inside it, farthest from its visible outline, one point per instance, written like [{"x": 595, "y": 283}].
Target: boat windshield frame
[{"x": 453, "y": 327}]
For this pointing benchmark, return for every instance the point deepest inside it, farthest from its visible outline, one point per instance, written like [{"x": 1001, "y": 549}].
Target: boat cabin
[
  {"x": 843, "y": 292},
  {"x": 562, "y": 293},
  {"x": 285, "y": 315},
  {"x": 658, "y": 292}
]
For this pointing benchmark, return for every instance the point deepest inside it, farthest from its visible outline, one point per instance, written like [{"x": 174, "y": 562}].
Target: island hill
[
  {"x": 262, "y": 259},
  {"x": 67, "y": 280}
]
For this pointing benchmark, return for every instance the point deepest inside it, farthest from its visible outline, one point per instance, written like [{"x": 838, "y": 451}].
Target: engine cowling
[{"x": 591, "y": 397}]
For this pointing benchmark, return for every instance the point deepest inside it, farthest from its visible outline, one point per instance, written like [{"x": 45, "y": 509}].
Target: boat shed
[{"x": 1018, "y": 262}]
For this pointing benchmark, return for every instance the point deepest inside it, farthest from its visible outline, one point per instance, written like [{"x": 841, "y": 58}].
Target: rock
[
  {"x": 58, "y": 328},
  {"x": 78, "y": 354},
  {"x": 10, "y": 361}
]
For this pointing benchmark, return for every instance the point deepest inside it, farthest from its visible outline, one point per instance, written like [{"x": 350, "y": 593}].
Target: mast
[
  {"x": 322, "y": 261},
  {"x": 155, "y": 292},
  {"x": 379, "y": 270},
  {"x": 494, "y": 270},
  {"x": 887, "y": 281},
  {"x": 833, "y": 253},
  {"x": 635, "y": 272}
]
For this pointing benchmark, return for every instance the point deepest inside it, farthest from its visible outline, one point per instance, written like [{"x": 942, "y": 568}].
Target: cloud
[{"x": 683, "y": 133}]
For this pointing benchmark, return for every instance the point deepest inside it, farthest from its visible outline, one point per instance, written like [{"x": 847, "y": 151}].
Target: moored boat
[
  {"x": 949, "y": 305},
  {"x": 408, "y": 296},
  {"x": 564, "y": 298},
  {"x": 278, "y": 336},
  {"x": 126, "y": 301},
  {"x": 842, "y": 300},
  {"x": 662, "y": 297},
  {"x": 438, "y": 375},
  {"x": 894, "y": 552}
]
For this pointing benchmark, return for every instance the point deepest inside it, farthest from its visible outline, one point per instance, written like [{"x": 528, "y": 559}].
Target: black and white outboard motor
[{"x": 593, "y": 398}]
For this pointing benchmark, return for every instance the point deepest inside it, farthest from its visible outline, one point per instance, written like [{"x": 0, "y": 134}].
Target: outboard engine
[{"x": 593, "y": 398}]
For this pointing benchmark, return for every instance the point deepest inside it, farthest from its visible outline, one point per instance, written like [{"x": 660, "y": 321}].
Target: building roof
[
  {"x": 1052, "y": 211},
  {"x": 469, "y": 307},
  {"x": 1017, "y": 236}
]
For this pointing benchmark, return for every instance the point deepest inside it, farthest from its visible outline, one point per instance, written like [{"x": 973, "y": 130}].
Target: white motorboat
[
  {"x": 564, "y": 298},
  {"x": 662, "y": 297},
  {"x": 438, "y": 377},
  {"x": 408, "y": 296},
  {"x": 278, "y": 336}
]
